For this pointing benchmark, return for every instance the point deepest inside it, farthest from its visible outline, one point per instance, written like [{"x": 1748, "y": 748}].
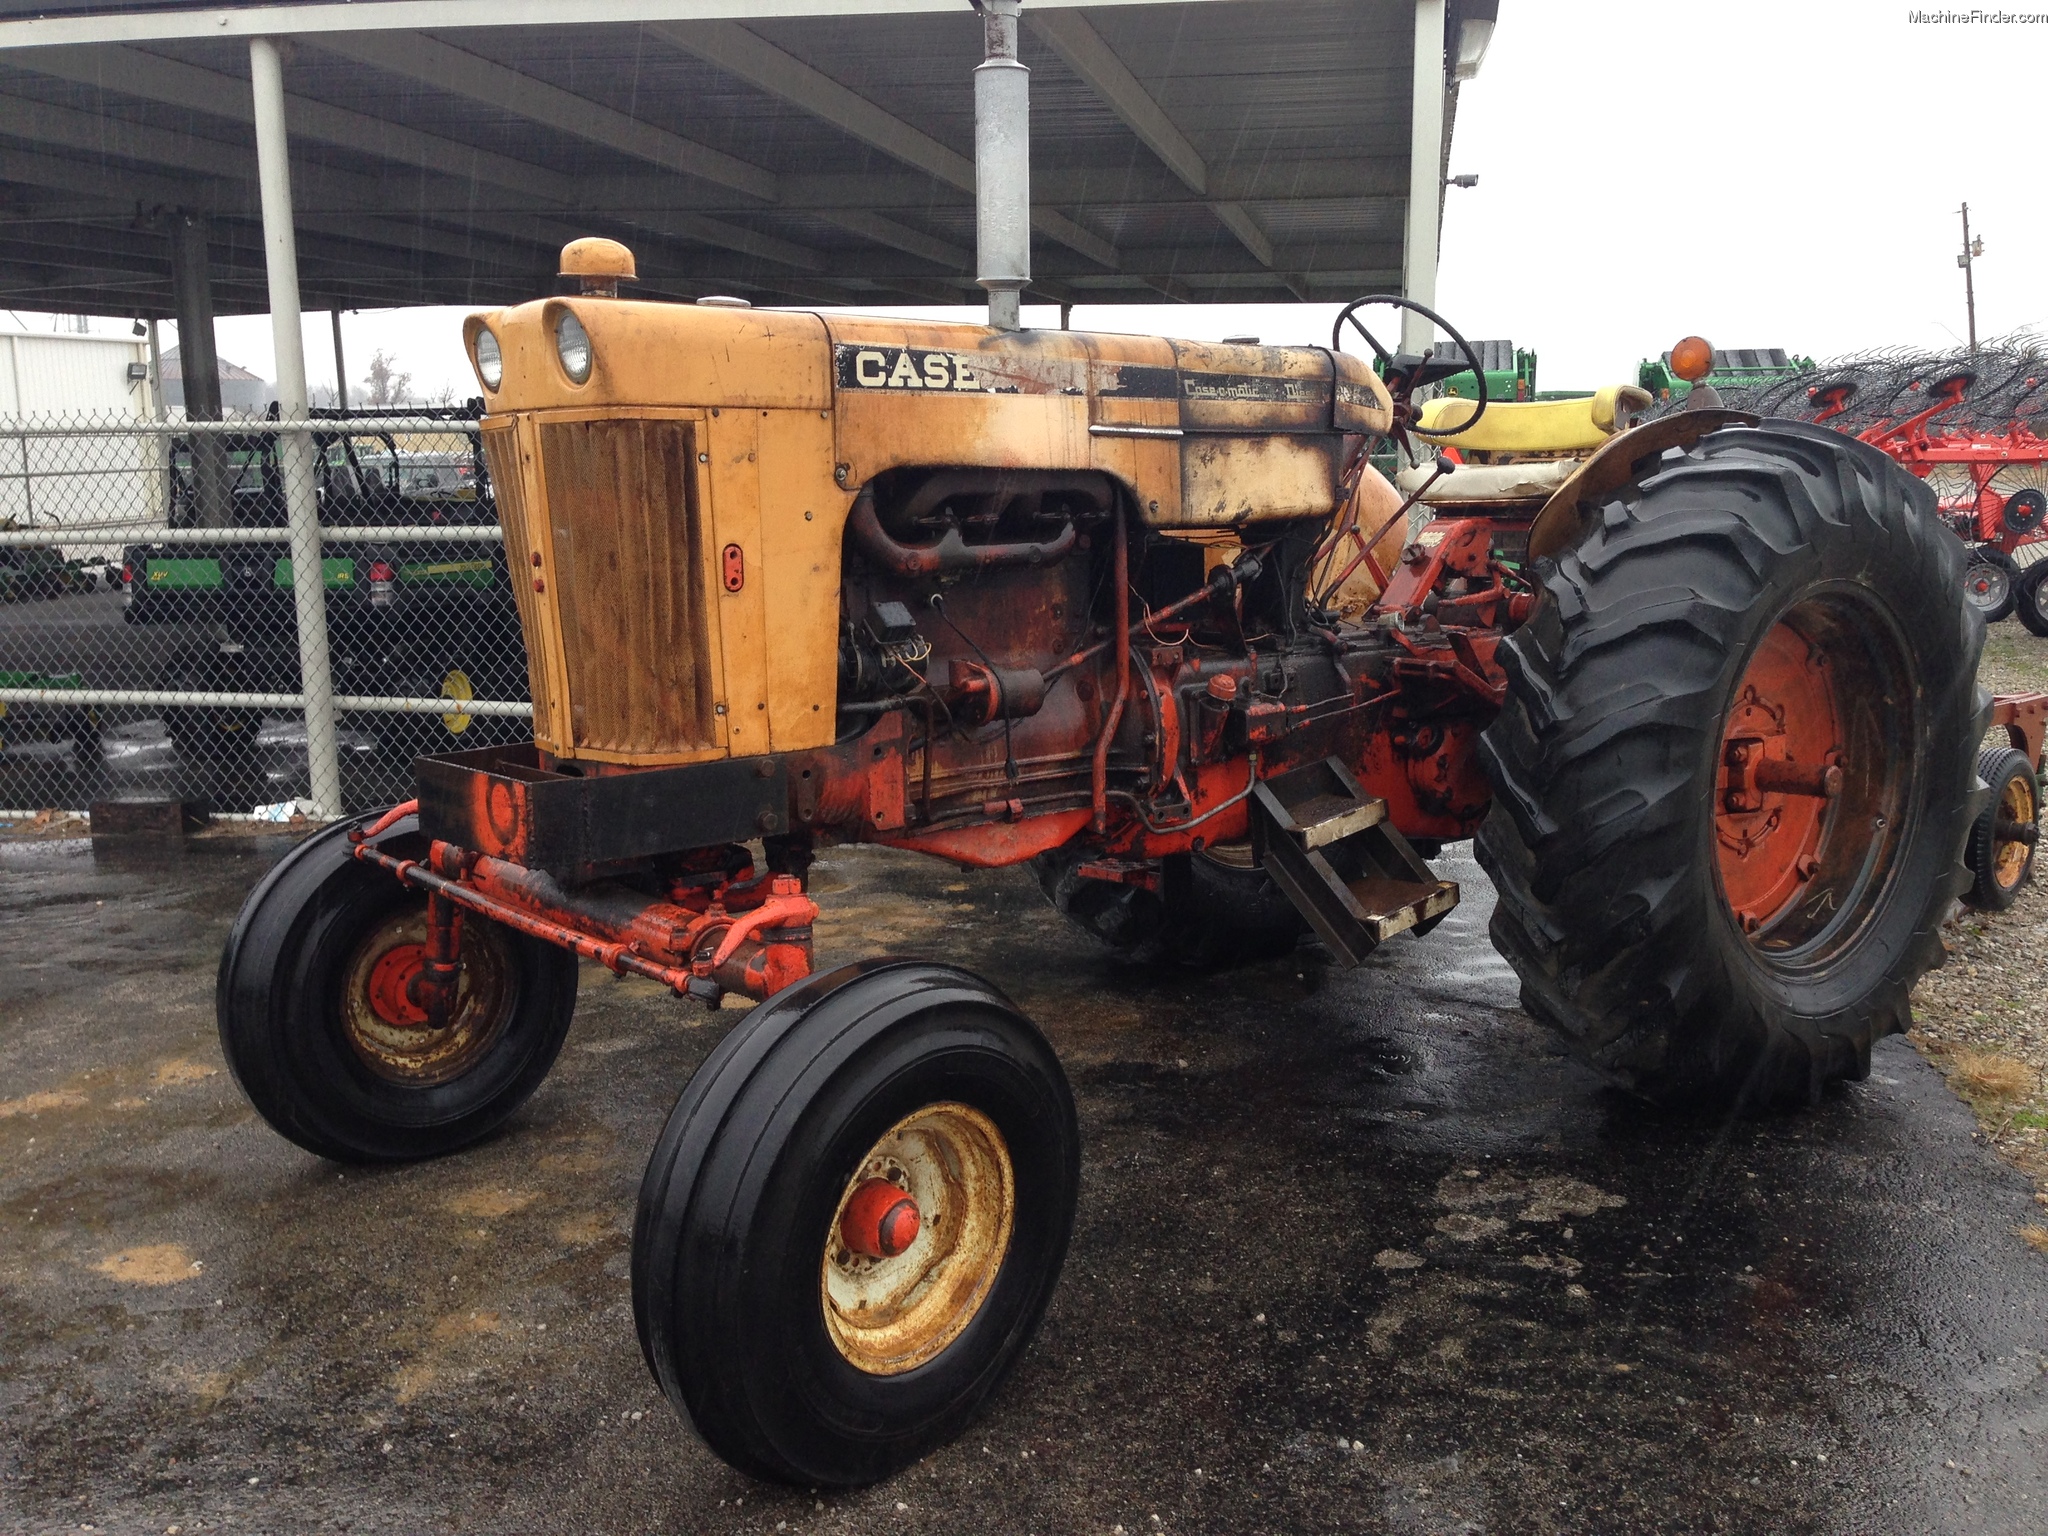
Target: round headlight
[
  {"x": 490, "y": 362},
  {"x": 572, "y": 345}
]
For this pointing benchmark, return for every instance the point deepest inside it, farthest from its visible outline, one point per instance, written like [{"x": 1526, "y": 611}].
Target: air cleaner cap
[{"x": 599, "y": 265}]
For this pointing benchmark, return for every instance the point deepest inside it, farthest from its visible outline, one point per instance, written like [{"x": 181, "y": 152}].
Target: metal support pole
[
  {"x": 192, "y": 280},
  {"x": 156, "y": 373},
  {"x": 156, "y": 453},
  {"x": 1002, "y": 165},
  {"x": 340, "y": 363},
  {"x": 199, "y": 366},
  {"x": 1425, "y": 175},
  {"x": 295, "y": 449}
]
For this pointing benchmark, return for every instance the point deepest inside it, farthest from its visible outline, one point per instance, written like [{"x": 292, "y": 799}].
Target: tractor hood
[{"x": 1210, "y": 434}]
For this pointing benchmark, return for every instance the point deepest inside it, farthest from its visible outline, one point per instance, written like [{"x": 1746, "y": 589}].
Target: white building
[
  {"x": 96, "y": 476},
  {"x": 65, "y": 374}
]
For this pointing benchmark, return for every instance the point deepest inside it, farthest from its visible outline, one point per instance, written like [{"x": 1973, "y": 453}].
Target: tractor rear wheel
[
  {"x": 853, "y": 1221},
  {"x": 1735, "y": 769},
  {"x": 1211, "y": 909},
  {"x": 320, "y": 1031},
  {"x": 2000, "y": 852}
]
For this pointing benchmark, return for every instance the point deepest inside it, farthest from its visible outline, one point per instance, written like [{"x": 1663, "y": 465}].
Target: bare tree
[{"x": 385, "y": 386}]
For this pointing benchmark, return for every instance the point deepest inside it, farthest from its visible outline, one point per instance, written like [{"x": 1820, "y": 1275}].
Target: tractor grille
[{"x": 628, "y": 580}]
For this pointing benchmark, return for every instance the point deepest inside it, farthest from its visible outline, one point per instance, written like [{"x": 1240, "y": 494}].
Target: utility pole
[{"x": 1972, "y": 249}]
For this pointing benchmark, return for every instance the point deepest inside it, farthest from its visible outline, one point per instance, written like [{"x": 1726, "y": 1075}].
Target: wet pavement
[{"x": 1357, "y": 1252}]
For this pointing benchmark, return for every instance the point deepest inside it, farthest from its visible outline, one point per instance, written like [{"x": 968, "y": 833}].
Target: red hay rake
[{"x": 1968, "y": 423}]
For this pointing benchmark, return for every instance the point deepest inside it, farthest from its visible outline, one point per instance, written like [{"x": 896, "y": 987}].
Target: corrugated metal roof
[{"x": 414, "y": 187}]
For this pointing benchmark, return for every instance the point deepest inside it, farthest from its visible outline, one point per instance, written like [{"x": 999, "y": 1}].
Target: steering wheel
[{"x": 1406, "y": 380}]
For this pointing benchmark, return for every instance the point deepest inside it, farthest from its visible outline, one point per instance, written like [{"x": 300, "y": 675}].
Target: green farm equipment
[
  {"x": 1510, "y": 371},
  {"x": 1734, "y": 368},
  {"x": 40, "y": 570}
]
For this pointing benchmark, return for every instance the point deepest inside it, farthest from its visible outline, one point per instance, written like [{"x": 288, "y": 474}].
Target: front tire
[
  {"x": 2000, "y": 852},
  {"x": 797, "y": 1358},
  {"x": 1774, "y": 611},
  {"x": 318, "y": 1032},
  {"x": 216, "y": 737},
  {"x": 1212, "y": 909}
]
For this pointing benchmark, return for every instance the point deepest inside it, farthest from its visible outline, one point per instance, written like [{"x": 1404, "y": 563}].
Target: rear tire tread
[{"x": 1618, "y": 688}]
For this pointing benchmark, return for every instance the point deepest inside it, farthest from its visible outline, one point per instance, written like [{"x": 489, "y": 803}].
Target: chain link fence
[{"x": 266, "y": 617}]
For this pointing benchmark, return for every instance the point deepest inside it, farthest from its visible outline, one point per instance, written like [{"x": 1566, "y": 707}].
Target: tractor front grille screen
[{"x": 629, "y": 579}]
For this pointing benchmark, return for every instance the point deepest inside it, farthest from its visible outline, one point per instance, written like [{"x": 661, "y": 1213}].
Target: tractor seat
[
  {"x": 1537, "y": 426},
  {"x": 1493, "y": 483}
]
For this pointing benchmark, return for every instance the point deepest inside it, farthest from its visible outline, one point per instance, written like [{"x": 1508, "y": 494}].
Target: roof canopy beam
[
  {"x": 125, "y": 24},
  {"x": 174, "y": 83},
  {"x": 151, "y": 77},
  {"x": 752, "y": 58},
  {"x": 445, "y": 67},
  {"x": 322, "y": 187},
  {"x": 1331, "y": 177},
  {"x": 454, "y": 160},
  {"x": 462, "y": 73},
  {"x": 1082, "y": 48}
]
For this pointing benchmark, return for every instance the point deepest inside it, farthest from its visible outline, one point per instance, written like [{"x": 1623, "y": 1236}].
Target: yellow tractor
[{"x": 1141, "y": 613}]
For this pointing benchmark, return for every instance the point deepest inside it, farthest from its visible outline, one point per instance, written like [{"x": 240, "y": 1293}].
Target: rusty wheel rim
[
  {"x": 889, "y": 1314},
  {"x": 2016, "y": 808},
  {"x": 1232, "y": 855},
  {"x": 457, "y": 687},
  {"x": 391, "y": 1033},
  {"x": 1814, "y": 773}
]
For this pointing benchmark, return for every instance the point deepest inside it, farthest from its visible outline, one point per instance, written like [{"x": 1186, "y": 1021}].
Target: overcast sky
[{"x": 1764, "y": 174}]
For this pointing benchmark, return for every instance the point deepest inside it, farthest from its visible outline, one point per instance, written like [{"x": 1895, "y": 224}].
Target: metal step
[{"x": 1346, "y": 868}]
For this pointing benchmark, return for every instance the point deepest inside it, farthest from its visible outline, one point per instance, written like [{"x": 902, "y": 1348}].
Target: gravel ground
[{"x": 1982, "y": 1019}]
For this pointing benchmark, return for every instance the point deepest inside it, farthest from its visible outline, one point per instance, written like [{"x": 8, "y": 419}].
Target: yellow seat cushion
[{"x": 1537, "y": 426}]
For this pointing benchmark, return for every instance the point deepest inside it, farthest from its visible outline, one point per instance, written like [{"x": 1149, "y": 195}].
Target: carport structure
[
  {"x": 789, "y": 151},
  {"x": 159, "y": 159}
]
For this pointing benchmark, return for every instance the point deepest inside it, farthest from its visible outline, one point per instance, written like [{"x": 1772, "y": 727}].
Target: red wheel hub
[
  {"x": 880, "y": 1220},
  {"x": 1781, "y": 770},
  {"x": 391, "y": 986}
]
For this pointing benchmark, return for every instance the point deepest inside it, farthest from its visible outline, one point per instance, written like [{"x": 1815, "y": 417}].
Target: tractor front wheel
[
  {"x": 323, "y": 1031},
  {"x": 853, "y": 1221},
  {"x": 1736, "y": 768},
  {"x": 1209, "y": 910}
]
